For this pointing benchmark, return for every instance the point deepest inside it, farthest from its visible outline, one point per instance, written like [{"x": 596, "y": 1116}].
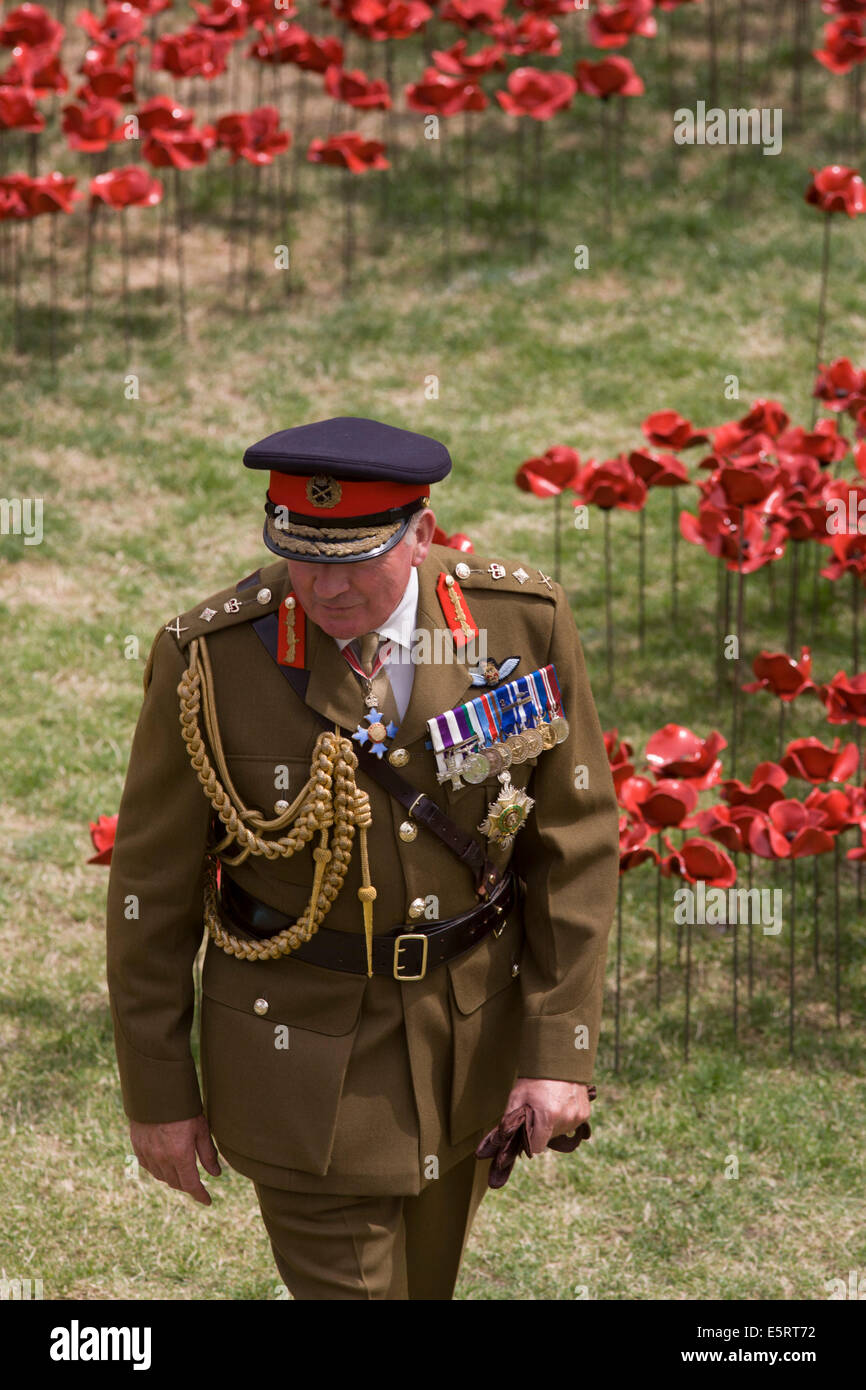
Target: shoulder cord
[{"x": 330, "y": 798}]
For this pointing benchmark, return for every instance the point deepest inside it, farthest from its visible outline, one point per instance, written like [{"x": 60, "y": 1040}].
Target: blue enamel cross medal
[{"x": 375, "y": 733}]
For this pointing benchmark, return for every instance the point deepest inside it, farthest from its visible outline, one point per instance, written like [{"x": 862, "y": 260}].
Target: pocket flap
[
  {"x": 488, "y": 968},
  {"x": 302, "y": 995}
]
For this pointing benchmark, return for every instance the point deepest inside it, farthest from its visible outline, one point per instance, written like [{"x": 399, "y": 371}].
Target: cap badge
[{"x": 323, "y": 490}]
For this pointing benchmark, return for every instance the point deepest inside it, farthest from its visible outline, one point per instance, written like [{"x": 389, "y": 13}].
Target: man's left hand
[{"x": 559, "y": 1106}]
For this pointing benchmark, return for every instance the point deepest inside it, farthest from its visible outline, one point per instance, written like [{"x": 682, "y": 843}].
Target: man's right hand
[{"x": 168, "y": 1152}]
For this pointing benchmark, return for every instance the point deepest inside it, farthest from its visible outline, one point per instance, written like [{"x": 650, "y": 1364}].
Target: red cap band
[{"x": 322, "y": 496}]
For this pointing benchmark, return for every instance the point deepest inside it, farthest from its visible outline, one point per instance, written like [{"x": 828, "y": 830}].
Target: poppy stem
[
  {"x": 608, "y": 171},
  {"x": 178, "y": 213},
  {"x": 713, "y": 71},
  {"x": 741, "y": 579},
  {"x": 751, "y": 957},
  {"x": 675, "y": 564},
  {"x": 816, "y": 890},
  {"x": 538, "y": 136},
  {"x": 735, "y": 962},
  {"x": 618, "y": 985},
  {"x": 124, "y": 273},
  {"x": 801, "y": 8},
  {"x": 822, "y": 300},
  {"x": 781, "y": 727},
  {"x": 233, "y": 222},
  {"x": 608, "y": 609},
  {"x": 446, "y": 208},
  {"x": 659, "y": 925},
  {"x": 252, "y": 228},
  {"x": 794, "y": 576},
  {"x": 467, "y": 170},
  {"x": 813, "y": 619},
  {"x": 855, "y": 623},
  {"x": 641, "y": 580},
  {"x": 791, "y": 957},
  {"x": 52, "y": 293},
  {"x": 836, "y": 932},
  {"x": 557, "y": 539},
  {"x": 348, "y": 231},
  {"x": 856, "y": 89},
  {"x": 688, "y": 1007}
]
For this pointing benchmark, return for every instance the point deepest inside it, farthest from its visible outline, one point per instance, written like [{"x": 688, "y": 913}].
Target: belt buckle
[{"x": 410, "y": 936}]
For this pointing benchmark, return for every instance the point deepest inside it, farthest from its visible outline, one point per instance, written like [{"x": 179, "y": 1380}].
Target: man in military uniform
[{"x": 406, "y": 922}]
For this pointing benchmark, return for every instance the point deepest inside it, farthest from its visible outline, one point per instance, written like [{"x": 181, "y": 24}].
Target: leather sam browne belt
[{"x": 404, "y": 953}]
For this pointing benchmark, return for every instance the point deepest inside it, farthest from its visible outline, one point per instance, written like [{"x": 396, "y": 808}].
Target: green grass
[{"x": 148, "y": 509}]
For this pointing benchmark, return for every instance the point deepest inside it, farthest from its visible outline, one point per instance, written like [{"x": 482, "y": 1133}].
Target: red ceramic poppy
[
  {"x": 17, "y": 111},
  {"x": 727, "y": 824},
  {"x": 611, "y": 26},
  {"x": 194, "y": 53},
  {"x": 844, "y": 699},
  {"x": 838, "y": 808},
  {"x": 102, "y": 833},
  {"x": 349, "y": 150},
  {"x": 357, "y": 89},
  {"x": 611, "y": 483},
  {"x": 699, "y": 861},
  {"x": 531, "y": 34},
  {"x": 472, "y": 14},
  {"x": 459, "y": 541},
  {"x": 13, "y": 204},
  {"x": 164, "y": 113},
  {"x": 253, "y": 136},
  {"x": 782, "y": 675},
  {"x": 674, "y": 751},
  {"x": 533, "y": 92},
  {"x": 30, "y": 26},
  {"x": 439, "y": 94},
  {"x": 839, "y": 384},
  {"x": 106, "y": 77},
  {"x": 844, "y": 44},
  {"x": 458, "y": 63},
  {"x": 92, "y": 127},
  {"x": 763, "y": 790},
  {"x": 658, "y": 470},
  {"x": 178, "y": 149},
  {"x": 667, "y": 429},
  {"x": 129, "y": 187},
  {"x": 633, "y": 849},
  {"x": 551, "y": 473},
  {"x": 812, "y": 760},
  {"x": 789, "y": 831},
  {"x": 226, "y": 16},
  {"x": 37, "y": 70},
  {"x": 668, "y": 803},
  {"x": 120, "y": 24},
  {"x": 50, "y": 193},
  {"x": 719, "y": 532},
  {"x": 849, "y": 556},
  {"x": 285, "y": 42},
  {"x": 836, "y": 188},
  {"x": 608, "y": 78}
]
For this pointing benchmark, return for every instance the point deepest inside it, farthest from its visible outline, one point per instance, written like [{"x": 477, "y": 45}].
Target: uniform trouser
[{"x": 329, "y": 1246}]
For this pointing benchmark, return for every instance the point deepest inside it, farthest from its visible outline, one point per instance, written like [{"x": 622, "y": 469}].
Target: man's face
[{"x": 349, "y": 600}]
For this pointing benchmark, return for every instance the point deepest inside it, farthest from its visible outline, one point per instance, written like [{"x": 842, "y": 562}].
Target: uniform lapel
[{"x": 438, "y": 684}]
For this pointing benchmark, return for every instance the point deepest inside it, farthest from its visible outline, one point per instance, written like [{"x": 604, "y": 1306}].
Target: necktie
[{"x": 368, "y": 648}]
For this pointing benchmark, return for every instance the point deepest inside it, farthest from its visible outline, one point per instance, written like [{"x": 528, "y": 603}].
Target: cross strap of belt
[
  {"x": 469, "y": 851},
  {"x": 404, "y": 953}
]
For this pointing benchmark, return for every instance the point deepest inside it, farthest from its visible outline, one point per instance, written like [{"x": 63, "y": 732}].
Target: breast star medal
[
  {"x": 375, "y": 733},
  {"x": 506, "y": 814}
]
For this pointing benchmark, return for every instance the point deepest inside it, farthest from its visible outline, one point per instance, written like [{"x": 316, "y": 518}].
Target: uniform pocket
[{"x": 276, "y": 1038}]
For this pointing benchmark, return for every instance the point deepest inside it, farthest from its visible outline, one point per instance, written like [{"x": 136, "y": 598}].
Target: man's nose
[{"x": 330, "y": 581}]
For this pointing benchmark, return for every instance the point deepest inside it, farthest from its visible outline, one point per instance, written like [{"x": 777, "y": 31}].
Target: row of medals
[{"x": 477, "y": 767}]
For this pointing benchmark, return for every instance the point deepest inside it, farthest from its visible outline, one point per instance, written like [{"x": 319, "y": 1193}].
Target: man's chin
[{"x": 344, "y": 626}]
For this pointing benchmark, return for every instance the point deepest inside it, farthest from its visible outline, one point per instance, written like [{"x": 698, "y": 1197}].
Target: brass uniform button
[
  {"x": 515, "y": 970},
  {"x": 398, "y": 757},
  {"x": 261, "y": 1007},
  {"x": 280, "y": 807},
  {"x": 462, "y": 570},
  {"x": 263, "y": 596},
  {"x": 408, "y": 831},
  {"x": 416, "y": 907}
]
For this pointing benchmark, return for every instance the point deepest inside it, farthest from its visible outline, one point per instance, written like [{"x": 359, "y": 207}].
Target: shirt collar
[{"x": 399, "y": 625}]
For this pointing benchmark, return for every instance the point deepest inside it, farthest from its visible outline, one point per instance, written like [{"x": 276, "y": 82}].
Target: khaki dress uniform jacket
[{"x": 383, "y": 1084}]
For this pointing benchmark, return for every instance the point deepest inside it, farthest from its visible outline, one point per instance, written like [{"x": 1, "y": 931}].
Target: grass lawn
[{"x": 710, "y": 271}]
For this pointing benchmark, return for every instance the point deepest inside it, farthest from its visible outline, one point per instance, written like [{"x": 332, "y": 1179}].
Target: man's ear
[{"x": 423, "y": 536}]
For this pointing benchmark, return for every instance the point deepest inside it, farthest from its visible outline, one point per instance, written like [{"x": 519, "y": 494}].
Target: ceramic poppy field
[{"x": 647, "y": 360}]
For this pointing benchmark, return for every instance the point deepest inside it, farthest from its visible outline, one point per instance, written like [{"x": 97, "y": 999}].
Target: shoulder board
[
  {"x": 476, "y": 572},
  {"x": 251, "y": 597}
]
